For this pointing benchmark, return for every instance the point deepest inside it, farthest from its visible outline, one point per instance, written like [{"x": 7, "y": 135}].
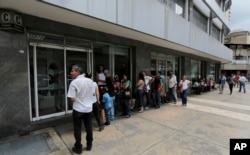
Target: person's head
[
  {"x": 170, "y": 74},
  {"x": 144, "y": 73},
  {"x": 184, "y": 77},
  {"x": 158, "y": 73},
  {"x": 101, "y": 68},
  {"x": 75, "y": 71},
  {"x": 116, "y": 78},
  {"x": 141, "y": 76},
  {"x": 88, "y": 75},
  {"x": 107, "y": 73},
  {"x": 125, "y": 77}
]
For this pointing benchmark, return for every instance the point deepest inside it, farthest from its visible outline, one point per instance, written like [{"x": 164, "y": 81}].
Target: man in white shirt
[
  {"x": 184, "y": 84},
  {"x": 243, "y": 81},
  {"x": 82, "y": 99},
  {"x": 172, "y": 83},
  {"x": 148, "y": 80}
]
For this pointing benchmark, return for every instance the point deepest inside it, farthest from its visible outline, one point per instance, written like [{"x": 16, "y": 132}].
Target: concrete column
[{"x": 190, "y": 9}]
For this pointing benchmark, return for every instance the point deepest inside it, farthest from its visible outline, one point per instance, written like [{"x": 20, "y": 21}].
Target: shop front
[{"x": 36, "y": 64}]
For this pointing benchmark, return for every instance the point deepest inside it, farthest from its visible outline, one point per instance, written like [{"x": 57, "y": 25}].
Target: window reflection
[{"x": 50, "y": 80}]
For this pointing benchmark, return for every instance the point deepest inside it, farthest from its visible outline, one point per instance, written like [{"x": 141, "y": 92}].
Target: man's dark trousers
[{"x": 78, "y": 117}]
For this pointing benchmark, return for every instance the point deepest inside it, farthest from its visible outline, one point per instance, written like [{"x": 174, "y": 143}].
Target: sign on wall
[{"x": 10, "y": 20}]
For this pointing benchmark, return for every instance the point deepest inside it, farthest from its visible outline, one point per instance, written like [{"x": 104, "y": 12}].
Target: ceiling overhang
[{"x": 55, "y": 13}]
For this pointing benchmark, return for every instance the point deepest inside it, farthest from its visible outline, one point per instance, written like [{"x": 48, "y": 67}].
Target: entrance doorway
[
  {"x": 116, "y": 59},
  {"x": 50, "y": 67}
]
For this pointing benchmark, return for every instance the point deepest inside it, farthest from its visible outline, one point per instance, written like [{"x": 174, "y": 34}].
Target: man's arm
[
  {"x": 72, "y": 93},
  {"x": 72, "y": 100}
]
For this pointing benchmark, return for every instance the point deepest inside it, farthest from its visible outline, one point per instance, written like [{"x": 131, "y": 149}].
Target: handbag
[{"x": 127, "y": 94}]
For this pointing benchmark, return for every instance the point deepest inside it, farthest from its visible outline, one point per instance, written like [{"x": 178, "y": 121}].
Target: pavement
[{"x": 204, "y": 127}]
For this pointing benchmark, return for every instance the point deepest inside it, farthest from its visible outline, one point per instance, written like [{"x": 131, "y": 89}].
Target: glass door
[
  {"x": 50, "y": 67},
  {"x": 47, "y": 80},
  {"x": 162, "y": 69},
  {"x": 78, "y": 57}
]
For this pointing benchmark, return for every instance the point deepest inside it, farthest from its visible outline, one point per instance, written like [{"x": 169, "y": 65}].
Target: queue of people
[
  {"x": 203, "y": 85},
  {"x": 107, "y": 97}
]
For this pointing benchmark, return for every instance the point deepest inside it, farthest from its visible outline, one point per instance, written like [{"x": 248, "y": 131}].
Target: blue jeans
[
  {"x": 221, "y": 88},
  {"x": 172, "y": 94},
  {"x": 112, "y": 108},
  {"x": 242, "y": 84},
  {"x": 147, "y": 94},
  {"x": 157, "y": 98},
  {"x": 184, "y": 97},
  {"x": 108, "y": 114},
  {"x": 140, "y": 97}
]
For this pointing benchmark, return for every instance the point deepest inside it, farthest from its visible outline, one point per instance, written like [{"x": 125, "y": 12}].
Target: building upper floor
[
  {"x": 190, "y": 26},
  {"x": 239, "y": 42}
]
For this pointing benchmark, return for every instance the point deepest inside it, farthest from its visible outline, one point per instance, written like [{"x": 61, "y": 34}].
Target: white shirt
[
  {"x": 243, "y": 79},
  {"x": 184, "y": 84},
  {"x": 94, "y": 93},
  {"x": 101, "y": 76},
  {"x": 147, "y": 79},
  {"x": 172, "y": 81},
  {"x": 81, "y": 89}
]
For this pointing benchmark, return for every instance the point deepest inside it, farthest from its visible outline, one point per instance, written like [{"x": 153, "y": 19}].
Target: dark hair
[
  {"x": 88, "y": 75},
  {"x": 99, "y": 68},
  {"x": 105, "y": 89},
  {"x": 77, "y": 68},
  {"x": 141, "y": 76}
]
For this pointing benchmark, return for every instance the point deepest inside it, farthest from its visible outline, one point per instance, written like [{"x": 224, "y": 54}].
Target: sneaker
[
  {"x": 146, "y": 108},
  {"x": 76, "y": 150}
]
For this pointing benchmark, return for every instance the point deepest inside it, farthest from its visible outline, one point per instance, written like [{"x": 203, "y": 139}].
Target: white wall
[{"x": 151, "y": 17}]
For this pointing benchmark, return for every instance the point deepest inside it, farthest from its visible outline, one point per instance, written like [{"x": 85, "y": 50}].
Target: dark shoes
[
  {"x": 127, "y": 116},
  {"x": 101, "y": 128},
  {"x": 77, "y": 150},
  {"x": 89, "y": 147},
  {"x": 106, "y": 123}
]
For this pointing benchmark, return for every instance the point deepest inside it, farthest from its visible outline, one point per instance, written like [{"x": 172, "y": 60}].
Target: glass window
[
  {"x": 177, "y": 68},
  {"x": 199, "y": 19},
  {"x": 233, "y": 47},
  {"x": 239, "y": 46},
  {"x": 101, "y": 55},
  {"x": 153, "y": 67},
  {"x": 211, "y": 71},
  {"x": 195, "y": 69},
  {"x": 240, "y": 57},
  {"x": 215, "y": 32},
  {"x": 178, "y": 6},
  {"x": 50, "y": 81},
  {"x": 218, "y": 2},
  {"x": 122, "y": 61},
  {"x": 162, "y": 66}
]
